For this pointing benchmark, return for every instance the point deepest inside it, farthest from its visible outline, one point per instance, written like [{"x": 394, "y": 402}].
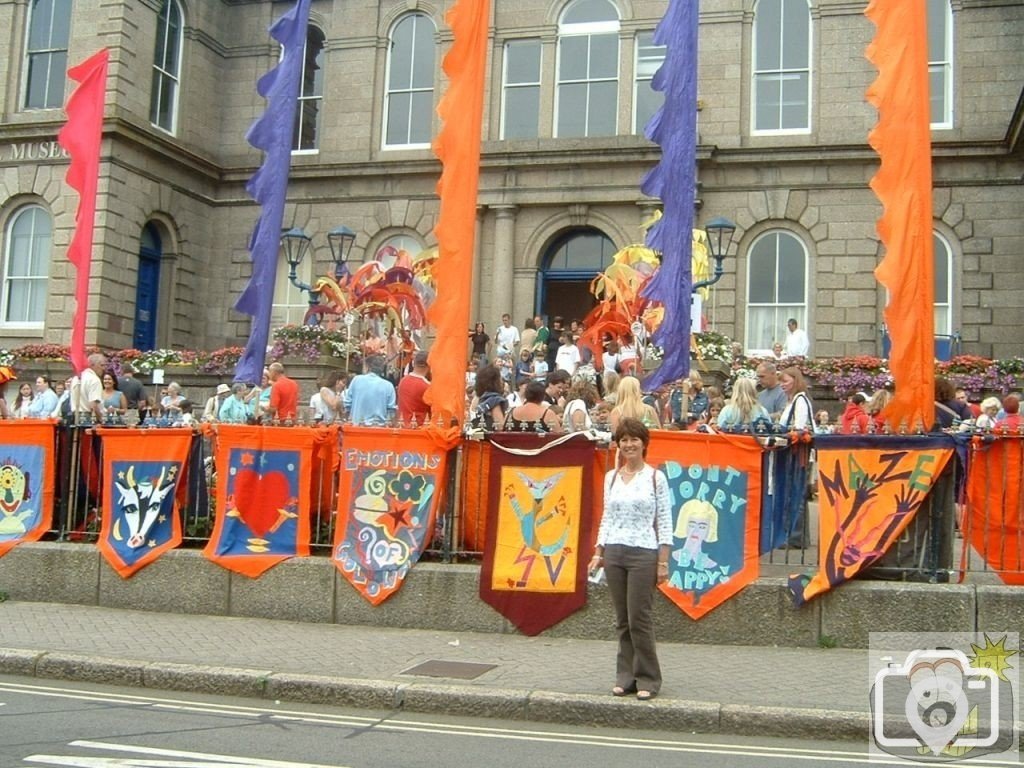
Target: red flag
[
  {"x": 81, "y": 137},
  {"x": 26, "y": 481},
  {"x": 903, "y": 184},
  {"x": 458, "y": 148}
]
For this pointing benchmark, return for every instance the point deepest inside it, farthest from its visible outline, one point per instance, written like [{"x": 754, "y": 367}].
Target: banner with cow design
[
  {"x": 540, "y": 528},
  {"x": 715, "y": 485},
  {"x": 389, "y": 490},
  {"x": 142, "y": 471},
  {"x": 263, "y": 495},
  {"x": 26, "y": 481}
]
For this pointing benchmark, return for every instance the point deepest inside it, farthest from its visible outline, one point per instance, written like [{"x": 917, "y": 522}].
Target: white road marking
[
  {"x": 488, "y": 731},
  {"x": 176, "y": 759}
]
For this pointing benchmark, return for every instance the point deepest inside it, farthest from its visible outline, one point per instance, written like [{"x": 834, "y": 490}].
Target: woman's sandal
[
  {"x": 618, "y": 690},
  {"x": 645, "y": 695}
]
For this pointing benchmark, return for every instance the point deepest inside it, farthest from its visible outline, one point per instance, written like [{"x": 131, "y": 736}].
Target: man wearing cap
[
  {"x": 284, "y": 394},
  {"x": 213, "y": 404},
  {"x": 411, "y": 390}
]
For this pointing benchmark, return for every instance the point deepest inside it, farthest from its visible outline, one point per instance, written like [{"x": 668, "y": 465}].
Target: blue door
[
  {"x": 147, "y": 292},
  {"x": 570, "y": 264}
]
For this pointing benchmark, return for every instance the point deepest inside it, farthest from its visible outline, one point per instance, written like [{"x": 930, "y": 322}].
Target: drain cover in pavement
[{"x": 462, "y": 670}]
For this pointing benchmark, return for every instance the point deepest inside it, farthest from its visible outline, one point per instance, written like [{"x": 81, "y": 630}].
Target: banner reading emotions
[
  {"x": 142, "y": 470},
  {"x": 26, "y": 481},
  {"x": 263, "y": 495},
  {"x": 869, "y": 488},
  {"x": 539, "y": 528},
  {"x": 388, "y": 496},
  {"x": 715, "y": 486}
]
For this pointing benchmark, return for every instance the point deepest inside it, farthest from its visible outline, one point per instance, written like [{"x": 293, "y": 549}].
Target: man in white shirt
[
  {"x": 797, "y": 343},
  {"x": 568, "y": 356},
  {"x": 507, "y": 336},
  {"x": 87, "y": 393}
]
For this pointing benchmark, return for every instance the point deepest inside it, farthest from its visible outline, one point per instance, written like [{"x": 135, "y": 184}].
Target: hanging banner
[
  {"x": 785, "y": 469},
  {"x": 994, "y": 523},
  {"x": 263, "y": 495},
  {"x": 390, "y": 489},
  {"x": 26, "y": 481},
  {"x": 715, "y": 486},
  {"x": 869, "y": 488},
  {"x": 142, "y": 474},
  {"x": 540, "y": 528}
]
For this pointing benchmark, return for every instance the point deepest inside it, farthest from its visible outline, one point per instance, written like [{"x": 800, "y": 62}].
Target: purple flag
[
  {"x": 674, "y": 127},
  {"x": 272, "y": 133}
]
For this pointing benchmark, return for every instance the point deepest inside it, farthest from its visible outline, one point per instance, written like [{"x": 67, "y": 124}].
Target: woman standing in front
[{"x": 633, "y": 545}]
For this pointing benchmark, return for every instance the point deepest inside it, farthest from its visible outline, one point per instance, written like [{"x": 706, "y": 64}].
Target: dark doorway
[
  {"x": 570, "y": 299},
  {"x": 147, "y": 291}
]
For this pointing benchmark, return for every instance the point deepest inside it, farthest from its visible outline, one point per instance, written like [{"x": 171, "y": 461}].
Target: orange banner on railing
[{"x": 26, "y": 481}]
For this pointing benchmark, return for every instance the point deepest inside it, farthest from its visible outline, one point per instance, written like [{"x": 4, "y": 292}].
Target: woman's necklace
[{"x": 629, "y": 471}]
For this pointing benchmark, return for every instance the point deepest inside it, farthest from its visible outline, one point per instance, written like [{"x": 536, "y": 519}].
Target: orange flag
[
  {"x": 904, "y": 187},
  {"x": 26, "y": 481},
  {"x": 458, "y": 149}
]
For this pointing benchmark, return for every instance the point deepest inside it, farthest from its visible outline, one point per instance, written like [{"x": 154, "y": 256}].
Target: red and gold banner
[
  {"x": 142, "y": 470},
  {"x": 26, "y": 481},
  {"x": 994, "y": 523},
  {"x": 263, "y": 495},
  {"x": 391, "y": 485},
  {"x": 540, "y": 528},
  {"x": 869, "y": 489},
  {"x": 715, "y": 486}
]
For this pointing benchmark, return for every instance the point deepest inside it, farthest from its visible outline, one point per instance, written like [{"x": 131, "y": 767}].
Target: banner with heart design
[
  {"x": 263, "y": 494},
  {"x": 26, "y": 481},
  {"x": 143, "y": 471},
  {"x": 390, "y": 487}
]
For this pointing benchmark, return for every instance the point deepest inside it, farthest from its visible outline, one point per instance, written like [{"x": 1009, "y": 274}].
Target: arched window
[
  {"x": 646, "y": 100},
  {"x": 409, "y": 101},
  {"x": 311, "y": 93},
  {"x": 782, "y": 70},
  {"x": 163, "y": 106},
  {"x": 776, "y": 288},
  {"x": 570, "y": 264},
  {"x": 588, "y": 70},
  {"x": 940, "y": 62},
  {"x": 387, "y": 252},
  {"x": 46, "y": 51},
  {"x": 943, "y": 255},
  {"x": 26, "y": 268}
]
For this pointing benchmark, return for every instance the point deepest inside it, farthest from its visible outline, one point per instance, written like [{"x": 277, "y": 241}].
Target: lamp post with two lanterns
[{"x": 295, "y": 243}]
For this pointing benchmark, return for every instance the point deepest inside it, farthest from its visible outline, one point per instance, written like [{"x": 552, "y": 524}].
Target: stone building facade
[{"x": 782, "y": 151}]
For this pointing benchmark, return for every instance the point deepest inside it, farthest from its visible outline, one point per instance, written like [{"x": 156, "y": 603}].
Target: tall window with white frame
[
  {"x": 26, "y": 266},
  {"x": 943, "y": 256},
  {"x": 776, "y": 289},
  {"x": 290, "y": 303},
  {"x": 46, "y": 53},
  {"x": 520, "y": 93},
  {"x": 588, "y": 70},
  {"x": 163, "y": 105},
  {"x": 940, "y": 62},
  {"x": 409, "y": 101},
  {"x": 782, "y": 72},
  {"x": 305, "y": 137},
  {"x": 646, "y": 100}
]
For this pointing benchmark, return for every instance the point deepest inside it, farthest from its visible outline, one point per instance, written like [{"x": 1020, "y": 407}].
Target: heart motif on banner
[{"x": 258, "y": 498}]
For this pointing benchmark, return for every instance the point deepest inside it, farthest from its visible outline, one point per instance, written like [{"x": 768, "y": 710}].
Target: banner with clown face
[
  {"x": 26, "y": 481},
  {"x": 388, "y": 494}
]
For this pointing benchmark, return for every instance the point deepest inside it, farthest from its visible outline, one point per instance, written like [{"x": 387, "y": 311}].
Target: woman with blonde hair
[
  {"x": 875, "y": 405},
  {"x": 743, "y": 408},
  {"x": 610, "y": 380},
  {"x": 989, "y": 410},
  {"x": 629, "y": 404}
]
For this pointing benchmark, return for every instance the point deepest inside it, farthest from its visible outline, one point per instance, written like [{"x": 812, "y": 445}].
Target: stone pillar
[
  {"x": 524, "y": 292},
  {"x": 474, "y": 296},
  {"x": 502, "y": 263}
]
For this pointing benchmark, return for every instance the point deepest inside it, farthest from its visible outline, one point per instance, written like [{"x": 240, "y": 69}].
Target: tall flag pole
[
  {"x": 81, "y": 137},
  {"x": 271, "y": 133},
  {"x": 903, "y": 185},
  {"x": 457, "y": 146},
  {"x": 673, "y": 179}
]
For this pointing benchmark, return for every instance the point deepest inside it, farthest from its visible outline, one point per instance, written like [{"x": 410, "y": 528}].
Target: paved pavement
[{"x": 817, "y": 693}]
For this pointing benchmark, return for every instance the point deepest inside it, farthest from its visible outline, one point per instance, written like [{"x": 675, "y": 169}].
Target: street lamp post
[
  {"x": 719, "y": 231},
  {"x": 295, "y": 243}
]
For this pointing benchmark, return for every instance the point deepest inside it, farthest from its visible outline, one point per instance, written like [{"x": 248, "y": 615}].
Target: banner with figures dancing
[
  {"x": 994, "y": 519},
  {"x": 142, "y": 472},
  {"x": 540, "y": 528},
  {"x": 869, "y": 489},
  {"x": 392, "y": 482},
  {"x": 26, "y": 481},
  {"x": 715, "y": 486},
  {"x": 263, "y": 495}
]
